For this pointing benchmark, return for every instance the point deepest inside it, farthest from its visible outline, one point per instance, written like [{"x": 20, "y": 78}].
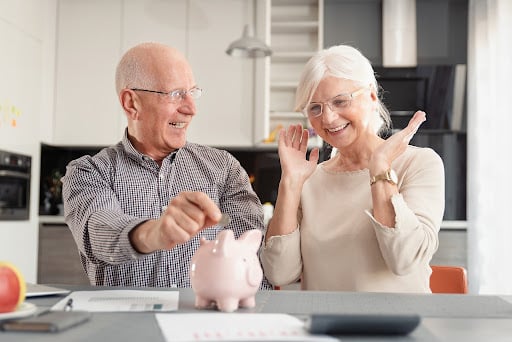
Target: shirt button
[
  {"x": 161, "y": 176},
  {"x": 111, "y": 259},
  {"x": 173, "y": 285},
  {"x": 134, "y": 256},
  {"x": 164, "y": 208}
]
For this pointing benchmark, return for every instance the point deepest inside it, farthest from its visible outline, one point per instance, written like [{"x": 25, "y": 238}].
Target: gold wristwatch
[{"x": 389, "y": 175}]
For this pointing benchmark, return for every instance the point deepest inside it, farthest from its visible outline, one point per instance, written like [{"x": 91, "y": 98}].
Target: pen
[{"x": 69, "y": 305}]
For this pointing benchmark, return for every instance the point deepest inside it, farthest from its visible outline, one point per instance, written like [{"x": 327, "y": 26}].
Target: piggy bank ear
[
  {"x": 252, "y": 239},
  {"x": 224, "y": 242}
]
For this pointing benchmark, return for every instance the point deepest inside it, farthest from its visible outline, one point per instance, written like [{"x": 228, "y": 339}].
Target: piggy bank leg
[
  {"x": 248, "y": 302},
  {"x": 202, "y": 302},
  {"x": 227, "y": 304}
]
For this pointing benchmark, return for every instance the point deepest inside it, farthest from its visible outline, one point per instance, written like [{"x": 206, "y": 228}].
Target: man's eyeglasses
[
  {"x": 336, "y": 104},
  {"x": 176, "y": 95}
]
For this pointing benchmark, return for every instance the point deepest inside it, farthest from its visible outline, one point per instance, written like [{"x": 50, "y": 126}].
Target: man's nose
[{"x": 187, "y": 105}]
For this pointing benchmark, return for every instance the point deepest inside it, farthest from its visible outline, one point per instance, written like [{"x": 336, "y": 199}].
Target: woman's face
[{"x": 344, "y": 121}]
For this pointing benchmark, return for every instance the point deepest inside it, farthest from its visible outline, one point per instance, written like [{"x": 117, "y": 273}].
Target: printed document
[
  {"x": 119, "y": 300},
  {"x": 221, "y": 326}
]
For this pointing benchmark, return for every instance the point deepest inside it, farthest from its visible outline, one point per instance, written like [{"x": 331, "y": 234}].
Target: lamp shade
[{"x": 248, "y": 46}]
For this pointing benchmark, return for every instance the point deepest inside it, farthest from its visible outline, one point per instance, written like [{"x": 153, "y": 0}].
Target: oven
[{"x": 14, "y": 186}]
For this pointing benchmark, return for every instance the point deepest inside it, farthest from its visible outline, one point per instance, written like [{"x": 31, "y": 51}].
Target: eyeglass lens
[
  {"x": 180, "y": 94},
  {"x": 335, "y": 104}
]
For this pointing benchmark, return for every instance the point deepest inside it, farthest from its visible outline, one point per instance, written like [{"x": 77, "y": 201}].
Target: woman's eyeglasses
[{"x": 336, "y": 104}]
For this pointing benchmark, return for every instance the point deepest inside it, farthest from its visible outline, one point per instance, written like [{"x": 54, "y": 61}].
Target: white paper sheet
[
  {"x": 120, "y": 300},
  {"x": 234, "y": 327}
]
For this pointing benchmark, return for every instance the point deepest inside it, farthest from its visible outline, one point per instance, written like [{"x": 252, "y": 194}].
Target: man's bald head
[{"x": 139, "y": 66}]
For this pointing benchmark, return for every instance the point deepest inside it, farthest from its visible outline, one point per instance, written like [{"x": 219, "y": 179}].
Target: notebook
[{"x": 38, "y": 290}]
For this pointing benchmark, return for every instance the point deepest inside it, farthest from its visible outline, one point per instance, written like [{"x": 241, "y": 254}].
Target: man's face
[{"x": 162, "y": 121}]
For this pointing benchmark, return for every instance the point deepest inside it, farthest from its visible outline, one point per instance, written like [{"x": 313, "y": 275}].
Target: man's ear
[{"x": 128, "y": 99}]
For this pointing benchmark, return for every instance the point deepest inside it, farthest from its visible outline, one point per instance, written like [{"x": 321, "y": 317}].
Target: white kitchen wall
[
  {"x": 93, "y": 34},
  {"x": 27, "y": 41}
]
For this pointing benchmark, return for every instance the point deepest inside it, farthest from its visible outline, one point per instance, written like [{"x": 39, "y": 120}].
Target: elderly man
[{"x": 138, "y": 209}]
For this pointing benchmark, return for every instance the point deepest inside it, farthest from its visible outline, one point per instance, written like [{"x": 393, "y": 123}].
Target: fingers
[
  {"x": 290, "y": 132},
  {"x": 187, "y": 214},
  {"x": 282, "y": 137},
  {"x": 314, "y": 155},
  {"x": 414, "y": 124},
  {"x": 304, "y": 140},
  {"x": 295, "y": 136},
  {"x": 205, "y": 204},
  {"x": 418, "y": 118}
]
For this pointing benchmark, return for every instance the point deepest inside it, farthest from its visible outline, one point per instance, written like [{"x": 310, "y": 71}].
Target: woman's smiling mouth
[{"x": 337, "y": 129}]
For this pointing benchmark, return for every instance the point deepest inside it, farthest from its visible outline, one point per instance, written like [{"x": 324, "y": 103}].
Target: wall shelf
[
  {"x": 294, "y": 30},
  {"x": 289, "y": 27},
  {"x": 287, "y": 115}
]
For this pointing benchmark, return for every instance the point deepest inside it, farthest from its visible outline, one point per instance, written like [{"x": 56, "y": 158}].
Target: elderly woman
[{"x": 368, "y": 218}]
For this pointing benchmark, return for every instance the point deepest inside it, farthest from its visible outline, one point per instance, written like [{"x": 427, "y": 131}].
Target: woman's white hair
[{"x": 341, "y": 61}]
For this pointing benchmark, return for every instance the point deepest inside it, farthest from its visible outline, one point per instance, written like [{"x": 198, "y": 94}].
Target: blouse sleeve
[
  {"x": 419, "y": 209},
  {"x": 281, "y": 258}
]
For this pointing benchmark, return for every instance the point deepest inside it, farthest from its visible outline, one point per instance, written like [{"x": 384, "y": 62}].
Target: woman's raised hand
[
  {"x": 397, "y": 143},
  {"x": 292, "y": 148}
]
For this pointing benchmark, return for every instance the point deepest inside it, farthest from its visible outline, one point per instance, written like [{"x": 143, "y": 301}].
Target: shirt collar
[{"x": 131, "y": 151}]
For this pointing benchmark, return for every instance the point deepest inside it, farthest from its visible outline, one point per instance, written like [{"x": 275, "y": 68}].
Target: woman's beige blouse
[{"x": 338, "y": 245}]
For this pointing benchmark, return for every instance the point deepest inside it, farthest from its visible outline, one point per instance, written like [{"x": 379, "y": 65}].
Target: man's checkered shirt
[{"x": 108, "y": 194}]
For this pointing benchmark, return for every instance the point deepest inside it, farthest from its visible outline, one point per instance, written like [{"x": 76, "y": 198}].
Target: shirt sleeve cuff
[
  {"x": 119, "y": 248},
  {"x": 277, "y": 242},
  {"x": 404, "y": 217},
  {"x": 124, "y": 240}
]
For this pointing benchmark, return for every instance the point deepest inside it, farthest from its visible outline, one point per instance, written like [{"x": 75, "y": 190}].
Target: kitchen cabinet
[
  {"x": 88, "y": 48},
  {"x": 92, "y": 36},
  {"x": 295, "y": 33},
  {"x": 226, "y": 109},
  {"x": 58, "y": 260},
  {"x": 441, "y": 29}
]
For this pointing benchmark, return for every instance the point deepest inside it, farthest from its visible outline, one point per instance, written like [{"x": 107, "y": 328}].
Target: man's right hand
[{"x": 186, "y": 215}]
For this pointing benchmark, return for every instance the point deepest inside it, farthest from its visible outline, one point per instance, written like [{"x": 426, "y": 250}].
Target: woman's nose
[{"x": 328, "y": 114}]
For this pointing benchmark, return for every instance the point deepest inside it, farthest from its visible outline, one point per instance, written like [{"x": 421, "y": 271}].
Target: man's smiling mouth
[{"x": 177, "y": 124}]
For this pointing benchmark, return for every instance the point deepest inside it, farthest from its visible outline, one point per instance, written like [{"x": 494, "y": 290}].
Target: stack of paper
[
  {"x": 234, "y": 327},
  {"x": 120, "y": 300}
]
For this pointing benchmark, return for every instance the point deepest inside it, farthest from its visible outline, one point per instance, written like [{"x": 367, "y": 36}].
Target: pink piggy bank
[{"x": 226, "y": 271}]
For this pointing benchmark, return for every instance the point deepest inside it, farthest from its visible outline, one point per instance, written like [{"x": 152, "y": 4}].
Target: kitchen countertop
[
  {"x": 51, "y": 219},
  {"x": 446, "y": 225}
]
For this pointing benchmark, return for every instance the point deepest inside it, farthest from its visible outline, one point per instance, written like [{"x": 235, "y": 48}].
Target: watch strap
[{"x": 386, "y": 175}]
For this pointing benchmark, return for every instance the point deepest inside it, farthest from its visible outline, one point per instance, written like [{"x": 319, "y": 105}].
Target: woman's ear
[
  {"x": 375, "y": 98},
  {"x": 373, "y": 94},
  {"x": 128, "y": 99}
]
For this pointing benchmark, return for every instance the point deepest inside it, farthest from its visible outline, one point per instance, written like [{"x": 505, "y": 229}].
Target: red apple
[{"x": 12, "y": 287}]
